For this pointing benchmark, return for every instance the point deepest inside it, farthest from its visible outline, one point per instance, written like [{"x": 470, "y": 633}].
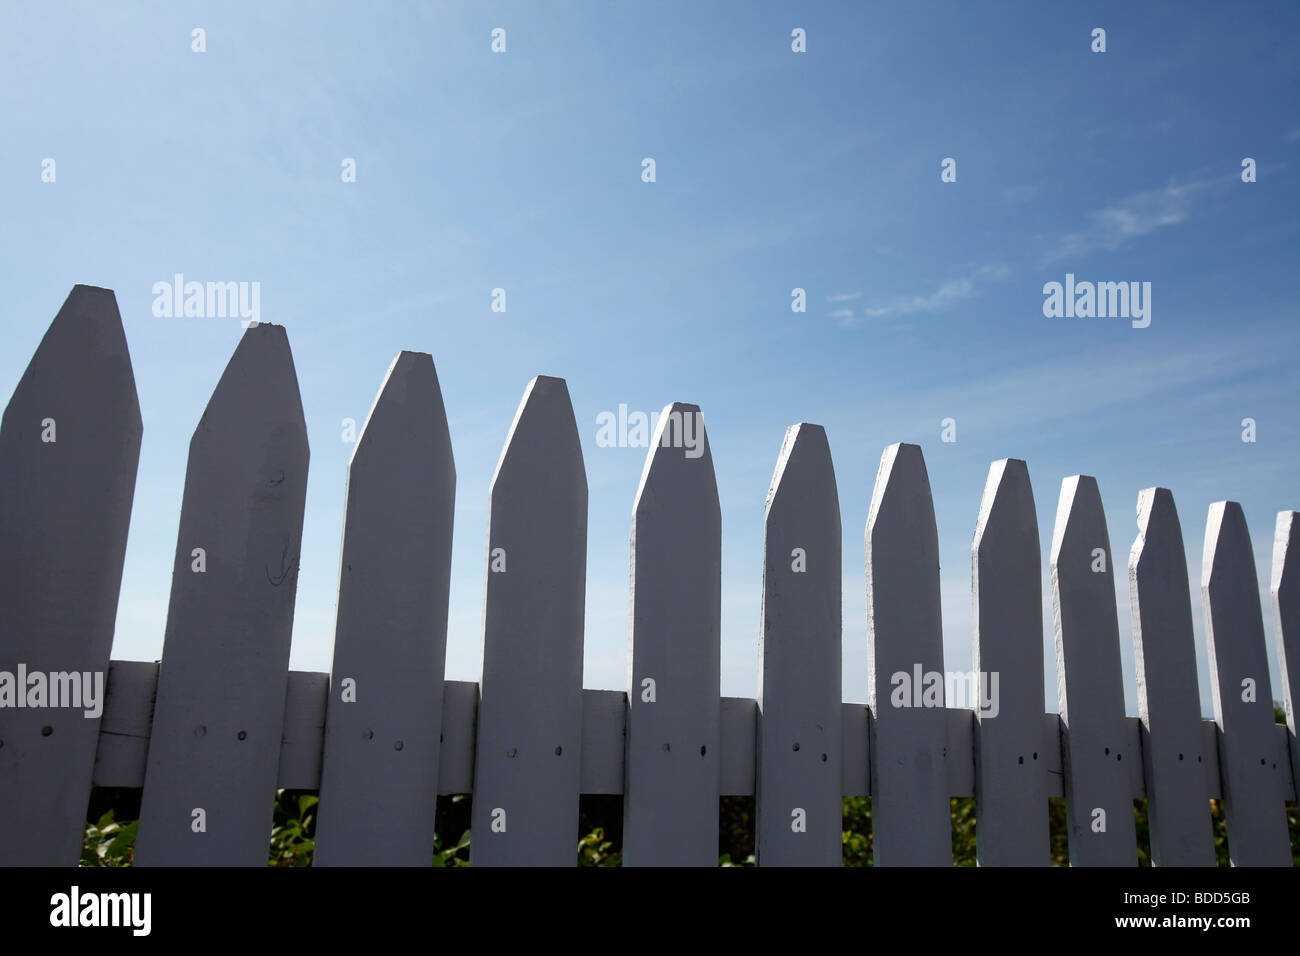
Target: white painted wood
[
  {"x": 124, "y": 740},
  {"x": 379, "y": 784},
  {"x": 1285, "y": 589},
  {"x": 1098, "y": 788},
  {"x": 231, "y": 722},
  {"x": 1006, "y": 583},
  {"x": 528, "y": 771},
  {"x": 799, "y": 807},
  {"x": 1169, "y": 700},
  {"x": 670, "y": 805},
  {"x": 910, "y": 818},
  {"x": 218, "y": 721},
  {"x": 69, "y": 445},
  {"x": 302, "y": 739},
  {"x": 124, "y": 728},
  {"x": 855, "y": 747},
  {"x": 1250, "y": 763},
  {"x": 456, "y": 761}
]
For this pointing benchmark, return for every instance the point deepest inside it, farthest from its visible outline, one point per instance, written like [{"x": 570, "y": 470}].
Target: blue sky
[{"x": 775, "y": 170}]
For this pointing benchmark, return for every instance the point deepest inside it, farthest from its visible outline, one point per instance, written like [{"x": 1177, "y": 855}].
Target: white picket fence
[{"x": 222, "y": 722}]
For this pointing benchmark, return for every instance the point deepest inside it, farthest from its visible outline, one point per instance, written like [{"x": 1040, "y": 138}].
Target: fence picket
[
  {"x": 528, "y": 771},
  {"x": 1243, "y": 696},
  {"x": 215, "y": 743},
  {"x": 799, "y": 807},
  {"x": 379, "y": 774},
  {"x": 1010, "y": 771},
  {"x": 1089, "y": 681},
  {"x": 1169, "y": 700},
  {"x": 69, "y": 447},
  {"x": 910, "y": 820},
  {"x": 1285, "y": 589},
  {"x": 673, "y": 774}
]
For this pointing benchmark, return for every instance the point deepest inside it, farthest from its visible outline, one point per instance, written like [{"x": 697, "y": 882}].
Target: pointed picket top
[
  {"x": 69, "y": 448},
  {"x": 258, "y": 390},
  {"x": 408, "y": 409},
  {"x": 680, "y": 443},
  {"x": 544, "y": 423},
  {"x": 84, "y": 344},
  {"x": 527, "y": 772},
  {"x": 1006, "y": 585},
  {"x": 215, "y": 743},
  {"x": 806, "y": 454},
  {"x": 1098, "y": 792},
  {"x": 670, "y": 808},
  {"x": 799, "y": 805},
  {"x": 803, "y": 470},
  {"x": 911, "y": 825},
  {"x": 1285, "y": 588},
  {"x": 1169, "y": 702},
  {"x": 1253, "y": 793},
  {"x": 387, "y": 682},
  {"x": 902, "y": 548}
]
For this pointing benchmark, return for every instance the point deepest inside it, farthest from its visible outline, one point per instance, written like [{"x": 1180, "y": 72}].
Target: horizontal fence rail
[
  {"x": 124, "y": 741},
  {"x": 211, "y": 730}
]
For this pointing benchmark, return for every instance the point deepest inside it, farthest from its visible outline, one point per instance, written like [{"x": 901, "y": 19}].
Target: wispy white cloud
[
  {"x": 845, "y": 316},
  {"x": 1137, "y": 215},
  {"x": 844, "y": 297},
  {"x": 996, "y": 270},
  {"x": 1294, "y": 135},
  {"x": 948, "y": 293}
]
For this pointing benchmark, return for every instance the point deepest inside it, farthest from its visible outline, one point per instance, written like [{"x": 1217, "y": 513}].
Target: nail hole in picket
[
  {"x": 398, "y": 745},
  {"x": 795, "y": 747},
  {"x": 666, "y": 748},
  {"x": 559, "y": 750},
  {"x": 1107, "y": 751},
  {"x": 200, "y": 731},
  {"x": 46, "y": 730},
  {"x": 1021, "y": 759},
  {"x": 703, "y": 750},
  {"x": 1035, "y": 755},
  {"x": 1180, "y": 756},
  {"x": 367, "y": 735},
  {"x": 243, "y": 735},
  {"x": 823, "y": 758}
]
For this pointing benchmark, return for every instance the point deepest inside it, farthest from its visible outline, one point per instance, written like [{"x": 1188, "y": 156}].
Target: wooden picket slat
[
  {"x": 528, "y": 771},
  {"x": 379, "y": 776},
  {"x": 1010, "y": 765},
  {"x": 69, "y": 447},
  {"x": 1243, "y": 695},
  {"x": 799, "y": 807},
  {"x": 910, "y": 819},
  {"x": 215, "y": 744},
  {"x": 1089, "y": 682},
  {"x": 1285, "y": 589},
  {"x": 670, "y": 803},
  {"x": 1169, "y": 700}
]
